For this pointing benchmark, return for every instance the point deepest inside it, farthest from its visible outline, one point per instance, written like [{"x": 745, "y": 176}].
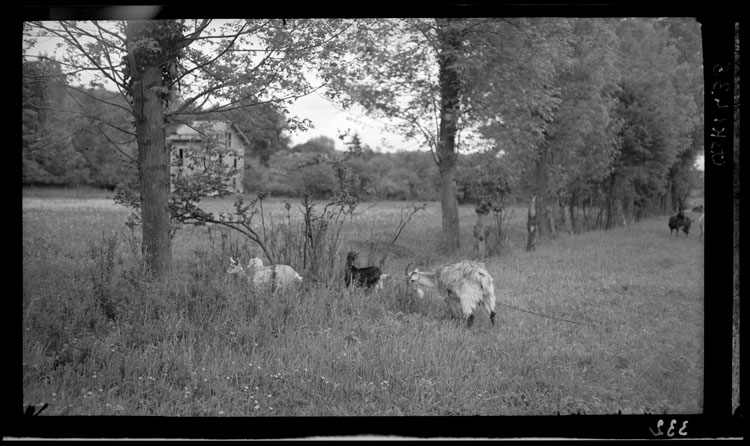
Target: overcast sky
[{"x": 331, "y": 120}]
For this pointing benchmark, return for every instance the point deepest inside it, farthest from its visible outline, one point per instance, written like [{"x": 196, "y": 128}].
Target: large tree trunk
[
  {"x": 449, "y": 205},
  {"x": 153, "y": 157},
  {"x": 446, "y": 150}
]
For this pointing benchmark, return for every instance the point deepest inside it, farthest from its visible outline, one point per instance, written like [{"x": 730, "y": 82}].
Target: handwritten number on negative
[
  {"x": 670, "y": 431},
  {"x": 719, "y": 85}
]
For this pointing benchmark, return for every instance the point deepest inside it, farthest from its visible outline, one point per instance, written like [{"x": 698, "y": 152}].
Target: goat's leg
[{"x": 490, "y": 307}]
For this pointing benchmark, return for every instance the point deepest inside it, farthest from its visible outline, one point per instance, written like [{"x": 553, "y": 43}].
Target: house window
[
  {"x": 228, "y": 139},
  {"x": 234, "y": 163},
  {"x": 180, "y": 157}
]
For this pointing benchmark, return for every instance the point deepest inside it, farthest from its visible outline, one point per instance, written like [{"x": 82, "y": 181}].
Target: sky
[{"x": 331, "y": 120}]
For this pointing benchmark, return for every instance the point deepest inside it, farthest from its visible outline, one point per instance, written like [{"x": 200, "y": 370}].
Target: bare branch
[{"x": 73, "y": 40}]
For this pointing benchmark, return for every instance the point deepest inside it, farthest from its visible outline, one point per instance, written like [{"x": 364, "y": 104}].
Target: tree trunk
[
  {"x": 481, "y": 231},
  {"x": 551, "y": 221},
  {"x": 153, "y": 156},
  {"x": 449, "y": 206},
  {"x": 495, "y": 246},
  {"x": 587, "y": 223},
  {"x": 153, "y": 169},
  {"x": 532, "y": 226},
  {"x": 667, "y": 202},
  {"x": 544, "y": 226},
  {"x": 561, "y": 213},
  {"x": 620, "y": 209},
  {"x": 446, "y": 150},
  {"x": 628, "y": 208},
  {"x": 610, "y": 222},
  {"x": 574, "y": 228}
]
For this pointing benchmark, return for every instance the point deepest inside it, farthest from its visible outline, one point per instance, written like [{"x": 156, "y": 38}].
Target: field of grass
[{"x": 205, "y": 344}]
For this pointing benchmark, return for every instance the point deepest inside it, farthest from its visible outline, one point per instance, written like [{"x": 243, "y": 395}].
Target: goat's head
[
  {"x": 351, "y": 258},
  {"x": 422, "y": 278},
  {"x": 234, "y": 267},
  {"x": 418, "y": 277},
  {"x": 414, "y": 278},
  {"x": 411, "y": 273},
  {"x": 408, "y": 270}
]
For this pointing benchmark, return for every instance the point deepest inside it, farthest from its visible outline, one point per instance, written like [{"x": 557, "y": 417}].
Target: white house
[{"x": 188, "y": 140}]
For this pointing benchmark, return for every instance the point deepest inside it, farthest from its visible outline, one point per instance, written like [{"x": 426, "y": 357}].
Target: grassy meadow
[{"x": 203, "y": 343}]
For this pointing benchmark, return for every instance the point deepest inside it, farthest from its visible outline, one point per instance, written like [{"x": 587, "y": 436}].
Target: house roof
[{"x": 188, "y": 132}]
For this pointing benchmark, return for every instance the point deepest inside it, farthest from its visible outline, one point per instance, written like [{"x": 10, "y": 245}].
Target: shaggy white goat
[
  {"x": 284, "y": 274},
  {"x": 467, "y": 282}
]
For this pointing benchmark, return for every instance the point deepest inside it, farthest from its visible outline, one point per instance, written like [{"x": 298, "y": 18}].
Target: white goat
[
  {"x": 259, "y": 274},
  {"x": 467, "y": 282}
]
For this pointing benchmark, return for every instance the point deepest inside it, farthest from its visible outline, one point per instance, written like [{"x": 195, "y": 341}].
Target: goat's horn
[{"x": 407, "y": 269}]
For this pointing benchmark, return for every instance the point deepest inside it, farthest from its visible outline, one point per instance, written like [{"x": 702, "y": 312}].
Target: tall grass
[
  {"x": 311, "y": 242},
  {"x": 99, "y": 340}
]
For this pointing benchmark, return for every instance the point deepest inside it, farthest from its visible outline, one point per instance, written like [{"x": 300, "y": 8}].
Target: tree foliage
[{"x": 659, "y": 108}]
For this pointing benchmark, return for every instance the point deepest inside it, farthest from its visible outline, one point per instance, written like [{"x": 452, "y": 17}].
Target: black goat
[
  {"x": 679, "y": 221},
  {"x": 367, "y": 276}
]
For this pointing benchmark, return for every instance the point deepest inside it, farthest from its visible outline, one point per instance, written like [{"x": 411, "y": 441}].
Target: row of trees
[
  {"x": 577, "y": 112},
  {"x": 573, "y": 111},
  {"x": 71, "y": 148},
  {"x": 304, "y": 168}
]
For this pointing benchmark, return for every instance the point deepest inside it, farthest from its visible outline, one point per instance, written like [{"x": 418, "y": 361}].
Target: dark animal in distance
[
  {"x": 679, "y": 221},
  {"x": 367, "y": 276}
]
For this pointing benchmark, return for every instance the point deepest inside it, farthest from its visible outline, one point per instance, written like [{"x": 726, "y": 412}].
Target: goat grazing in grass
[
  {"x": 679, "y": 221},
  {"x": 467, "y": 282},
  {"x": 258, "y": 274},
  {"x": 367, "y": 276}
]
